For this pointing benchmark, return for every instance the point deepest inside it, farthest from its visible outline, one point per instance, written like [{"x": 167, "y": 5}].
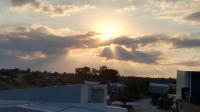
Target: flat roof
[
  {"x": 17, "y": 109},
  {"x": 30, "y": 106}
]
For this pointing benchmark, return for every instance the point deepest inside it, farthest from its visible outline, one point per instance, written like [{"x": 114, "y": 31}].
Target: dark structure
[{"x": 188, "y": 86}]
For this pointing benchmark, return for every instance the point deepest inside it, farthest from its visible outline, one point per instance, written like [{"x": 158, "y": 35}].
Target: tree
[
  {"x": 103, "y": 68},
  {"x": 28, "y": 70},
  {"x": 135, "y": 89},
  {"x": 109, "y": 74},
  {"x": 95, "y": 71},
  {"x": 83, "y": 71}
]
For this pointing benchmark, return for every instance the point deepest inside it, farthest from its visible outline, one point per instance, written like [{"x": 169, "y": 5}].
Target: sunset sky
[{"x": 151, "y": 38}]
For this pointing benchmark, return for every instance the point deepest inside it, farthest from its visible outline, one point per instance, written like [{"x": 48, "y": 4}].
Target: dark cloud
[
  {"x": 10, "y": 59},
  {"x": 177, "y": 42},
  {"x": 186, "y": 43},
  {"x": 194, "y": 17},
  {"x": 39, "y": 46},
  {"x": 39, "y": 42},
  {"x": 28, "y": 41},
  {"x": 7, "y": 56},
  {"x": 140, "y": 41},
  {"x": 120, "y": 53}
]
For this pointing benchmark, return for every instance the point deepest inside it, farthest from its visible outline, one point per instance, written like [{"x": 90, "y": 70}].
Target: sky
[{"x": 145, "y": 38}]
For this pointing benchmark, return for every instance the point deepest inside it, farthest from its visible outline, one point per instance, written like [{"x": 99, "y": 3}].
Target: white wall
[
  {"x": 182, "y": 81},
  {"x": 85, "y": 95}
]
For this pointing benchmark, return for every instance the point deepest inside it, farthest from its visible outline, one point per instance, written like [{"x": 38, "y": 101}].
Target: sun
[
  {"x": 108, "y": 30},
  {"x": 107, "y": 34}
]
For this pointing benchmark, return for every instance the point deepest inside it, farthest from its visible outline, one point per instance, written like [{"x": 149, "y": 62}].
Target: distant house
[
  {"x": 158, "y": 88},
  {"x": 116, "y": 88},
  {"x": 69, "y": 98},
  {"x": 188, "y": 86},
  {"x": 160, "y": 94}
]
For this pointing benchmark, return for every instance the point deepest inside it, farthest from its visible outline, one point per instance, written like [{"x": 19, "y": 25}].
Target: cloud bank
[
  {"x": 120, "y": 53},
  {"x": 176, "y": 42},
  {"x": 37, "y": 42},
  {"x": 193, "y": 17}
]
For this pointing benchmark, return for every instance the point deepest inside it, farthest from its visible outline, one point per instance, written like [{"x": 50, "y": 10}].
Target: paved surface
[
  {"x": 17, "y": 109},
  {"x": 144, "y": 105}
]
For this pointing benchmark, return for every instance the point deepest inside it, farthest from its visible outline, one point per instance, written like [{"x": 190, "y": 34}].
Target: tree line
[{"x": 135, "y": 87}]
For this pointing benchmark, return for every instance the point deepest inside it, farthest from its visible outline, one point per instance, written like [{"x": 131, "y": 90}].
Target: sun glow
[
  {"x": 108, "y": 30},
  {"x": 107, "y": 34}
]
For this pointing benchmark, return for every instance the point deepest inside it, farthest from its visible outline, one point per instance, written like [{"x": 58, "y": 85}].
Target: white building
[
  {"x": 69, "y": 98},
  {"x": 188, "y": 86},
  {"x": 182, "y": 82}
]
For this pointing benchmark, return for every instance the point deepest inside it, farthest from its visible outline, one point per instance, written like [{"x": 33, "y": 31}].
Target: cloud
[
  {"x": 7, "y": 56},
  {"x": 30, "y": 42},
  {"x": 52, "y": 10},
  {"x": 193, "y": 17},
  {"x": 186, "y": 43},
  {"x": 136, "y": 42},
  {"x": 38, "y": 42},
  {"x": 119, "y": 53},
  {"x": 174, "y": 41},
  {"x": 127, "y": 9},
  {"x": 189, "y": 63},
  {"x": 17, "y": 3},
  {"x": 33, "y": 56},
  {"x": 176, "y": 10}
]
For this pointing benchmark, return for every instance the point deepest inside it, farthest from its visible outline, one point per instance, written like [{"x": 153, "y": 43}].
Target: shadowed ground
[{"x": 144, "y": 105}]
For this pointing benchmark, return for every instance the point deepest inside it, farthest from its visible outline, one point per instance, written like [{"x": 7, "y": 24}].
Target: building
[
  {"x": 188, "y": 86},
  {"x": 115, "y": 88},
  {"x": 155, "y": 88},
  {"x": 69, "y": 98},
  {"x": 161, "y": 95}
]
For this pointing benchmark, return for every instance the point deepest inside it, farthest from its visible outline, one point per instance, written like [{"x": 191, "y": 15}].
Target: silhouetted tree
[
  {"x": 83, "y": 71},
  {"x": 28, "y": 70},
  {"x": 109, "y": 74},
  {"x": 95, "y": 71},
  {"x": 103, "y": 68}
]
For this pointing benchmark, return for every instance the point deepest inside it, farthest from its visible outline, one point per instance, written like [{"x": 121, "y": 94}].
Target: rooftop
[{"x": 30, "y": 106}]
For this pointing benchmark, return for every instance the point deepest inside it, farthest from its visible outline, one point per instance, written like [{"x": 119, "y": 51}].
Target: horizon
[
  {"x": 74, "y": 72},
  {"x": 141, "y": 38}
]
